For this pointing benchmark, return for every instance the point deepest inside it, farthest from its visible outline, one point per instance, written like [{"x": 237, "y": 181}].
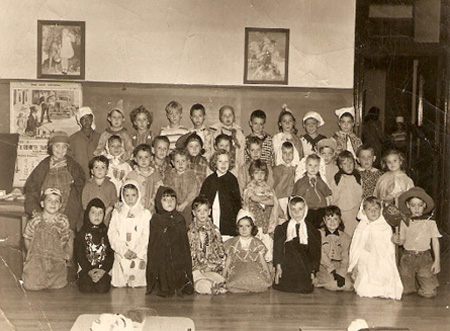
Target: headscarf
[
  {"x": 96, "y": 202},
  {"x": 291, "y": 232},
  {"x": 83, "y": 111},
  {"x": 158, "y": 204},
  {"x": 127, "y": 211}
]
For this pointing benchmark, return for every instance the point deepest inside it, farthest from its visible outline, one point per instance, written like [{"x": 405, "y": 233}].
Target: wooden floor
[{"x": 322, "y": 310}]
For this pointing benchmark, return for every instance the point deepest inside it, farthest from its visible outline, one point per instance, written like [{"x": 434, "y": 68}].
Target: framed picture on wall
[
  {"x": 61, "y": 49},
  {"x": 266, "y": 56}
]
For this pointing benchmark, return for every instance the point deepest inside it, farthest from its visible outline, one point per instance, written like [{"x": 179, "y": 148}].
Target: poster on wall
[{"x": 39, "y": 108}]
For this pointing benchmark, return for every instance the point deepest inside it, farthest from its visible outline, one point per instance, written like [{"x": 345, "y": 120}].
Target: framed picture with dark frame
[
  {"x": 266, "y": 56},
  {"x": 61, "y": 49}
]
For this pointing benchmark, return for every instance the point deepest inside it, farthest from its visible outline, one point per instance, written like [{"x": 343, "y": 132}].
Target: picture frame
[
  {"x": 266, "y": 56},
  {"x": 61, "y": 49}
]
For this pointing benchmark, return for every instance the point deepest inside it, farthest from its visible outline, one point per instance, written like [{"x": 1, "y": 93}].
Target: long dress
[
  {"x": 245, "y": 271},
  {"x": 129, "y": 230}
]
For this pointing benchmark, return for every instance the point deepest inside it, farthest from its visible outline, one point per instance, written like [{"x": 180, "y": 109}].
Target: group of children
[{"x": 211, "y": 210}]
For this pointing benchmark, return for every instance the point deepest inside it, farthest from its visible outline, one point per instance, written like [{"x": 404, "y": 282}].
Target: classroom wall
[{"x": 185, "y": 41}]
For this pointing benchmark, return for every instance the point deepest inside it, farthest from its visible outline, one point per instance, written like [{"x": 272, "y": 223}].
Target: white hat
[
  {"x": 244, "y": 213},
  {"x": 399, "y": 119},
  {"x": 83, "y": 111},
  {"x": 314, "y": 115},
  {"x": 341, "y": 111}
]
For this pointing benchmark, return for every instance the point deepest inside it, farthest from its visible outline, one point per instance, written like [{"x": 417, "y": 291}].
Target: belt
[{"x": 416, "y": 252}]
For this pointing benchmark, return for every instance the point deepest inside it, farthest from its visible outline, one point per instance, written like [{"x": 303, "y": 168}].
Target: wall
[{"x": 185, "y": 41}]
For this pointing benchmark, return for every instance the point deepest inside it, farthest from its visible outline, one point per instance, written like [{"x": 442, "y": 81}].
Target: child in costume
[
  {"x": 261, "y": 201},
  {"x": 369, "y": 174},
  {"x": 224, "y": 142},
  {"x": 245, "y": 268},
  {"x": 92, "y": 250},
  {"x": 118, "y": 168},
  {"x": 418, "y": 269},
  {"x": 296, "y": 251},
  {"x": 312, "y": 121},
  {"x": 347, "y": 191},
  {"x": 198, "y": 164},
  {"x": 372, "y": 255},
  {"x": 332, "y": 274},
  {"x": 394, "y": 181},
  {"x": 256, "y": 123},
  {"x": 288, "y": 132},
  {"x": 222, "y": 188},
  {"x": 128, "y": 234},
  {"x": 160, "y": 160},
  {"x": 142, "y": 120},
  {"x": 207, "y": 251},
  {"x": 49, "y": 244},
  {"x": 169, "y": 269},
  {"x": 345, "y": 138}
]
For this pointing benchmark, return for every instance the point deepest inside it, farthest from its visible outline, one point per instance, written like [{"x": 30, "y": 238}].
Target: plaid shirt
[{"x": 267, "y": 149}]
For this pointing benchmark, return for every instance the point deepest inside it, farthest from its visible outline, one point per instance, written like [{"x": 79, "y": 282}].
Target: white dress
[{"x": 129, "y": 229}]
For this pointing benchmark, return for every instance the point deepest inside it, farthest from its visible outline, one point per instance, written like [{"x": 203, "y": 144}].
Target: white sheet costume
[{"x": 129, "y": 229}]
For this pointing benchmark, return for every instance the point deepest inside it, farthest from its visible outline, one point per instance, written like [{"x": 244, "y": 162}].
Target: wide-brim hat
[
  {"x": 415, "y": 192},
  {"x": 314, "y": 115},
  {"x": 329, "y": 142},
  {"x": 341, "y": 111}
]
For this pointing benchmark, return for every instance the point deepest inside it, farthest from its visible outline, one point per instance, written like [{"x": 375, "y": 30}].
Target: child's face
[
  {"x": 346, "y": 124},
  {"x": 254, "y": 151},
  {"x": 224, "y": 144},
  {"x": 168, "y": 203},
  {"x": 373, "y": 211},
  {"x": 287, "y": 123},
  {"x": 51, "y": 203},
  {"x": 141, "y": 122},
  {"x": 180, "y": 163},
  {"x": 259, "y": 176},
  {"x": 287, "y": 154},
  {"x": 143, "y": 159},
  {"x": 312, "y": 167},
  {"x": 347, "y": 165},
  {"x": 130, "y": 196},
  {"x": 201, "y": 213},
  {"x": 174, "y": 116},
  {"x": 332, "y": 222},
  {"x": 161, "y": 149},
  {"x": 311, "y": 126},
  {"x": 59, "y": 150},
  {"x": 115, "y": 147},
  {"x": 257, "y": 125},
  {"x": 393, "y": 162},
  {"x": 327, "y": 154},
  {"x": 416, "y": 206},
  {"x": 116, "y": 119},
  {"x": 366, "y": 158},
  {"x": 96, "y": 215},
  {"x": 223, "y": 163},
  {"x": 194, "y": 148},
  {"x": 245, "y": 228},
  {"x": 86, "y": 121},
  {"x": 197, "y": 117},
  {"x": 297, "y": 211},
  {"x": 99, "y": 170},
  {"x": 227, "y": 117}
]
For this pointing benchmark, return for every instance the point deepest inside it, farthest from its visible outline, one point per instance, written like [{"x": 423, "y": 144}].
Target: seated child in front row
[
  {"x": 128, "y": 234},
  {"x": 245, "y": 268},
  {"x": 169, "y": 268},
  {"x": 417, "y": 268},
  {"x": 313, "y": 189},
  {"x": 372, "y": 255},
  {"x": 296, "y": 250},
  {"x": 92, "y": 250},
  {"x": 332, "y": 274},
  {"x": 118, "y": 169},
  {"x": 222, "y": 189},
  {"x": 100, "y": 186},
  {"x": 207, "y": 251},
  {"x": 49, "y": 244},
  {"x": 260, "y": 200},
  {"x": 283, "y": 176},
  {"x": 347, "y": 191},
  {"x": 369, "y": 174},
  {"x": 183, "y": 181}
]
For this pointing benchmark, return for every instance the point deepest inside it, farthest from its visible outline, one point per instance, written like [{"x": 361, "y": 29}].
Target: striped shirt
[{"x": 173, "y": 134}]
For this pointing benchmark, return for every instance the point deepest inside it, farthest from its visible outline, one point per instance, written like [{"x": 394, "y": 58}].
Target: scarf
[{"x": 291, "y": 232}]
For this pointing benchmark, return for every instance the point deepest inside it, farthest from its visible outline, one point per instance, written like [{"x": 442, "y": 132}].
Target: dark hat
[
  {"x": 415, "y": 192},
  {"x": 185, "y": 139},
  {"x": 58, "y": 137}
]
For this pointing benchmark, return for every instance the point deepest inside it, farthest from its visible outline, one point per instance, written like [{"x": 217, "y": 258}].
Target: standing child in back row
[
  {"x": 142, "y": 120},
  {"x": 312, "y": 121},
  {"x": 197, "y": 114},
  {"x": 174, "y": 113},
  {"x": 345, "y": 138},
  {"x": 418, "y": 269},
  {"x": 369, "y": 174},
  {"x": 256, "y": 123}
]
